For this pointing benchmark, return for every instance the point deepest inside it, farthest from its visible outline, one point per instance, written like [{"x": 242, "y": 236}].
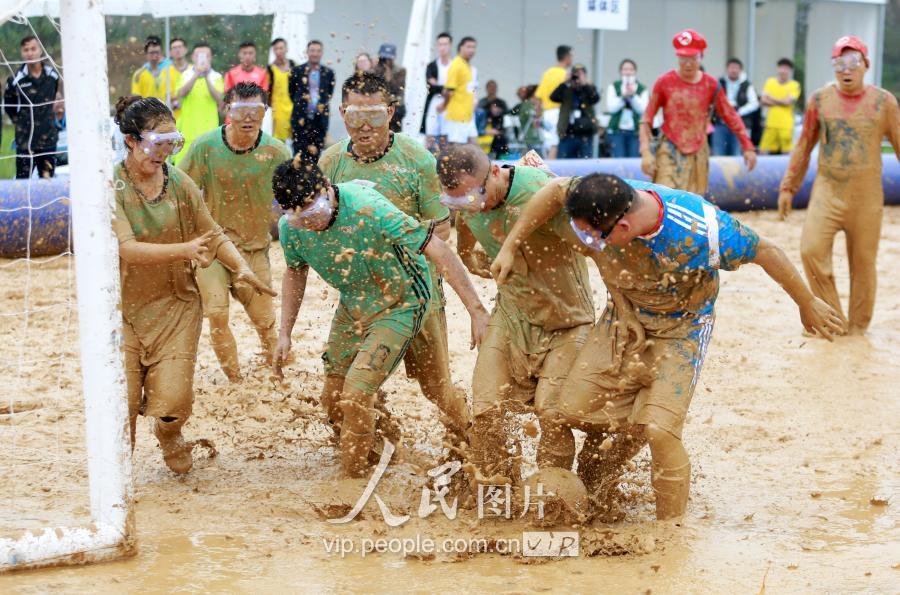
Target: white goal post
[{"x": 111, "y": 532}]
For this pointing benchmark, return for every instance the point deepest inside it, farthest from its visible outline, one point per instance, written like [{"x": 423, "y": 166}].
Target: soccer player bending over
[
  {"x": 375, "y": 255},
  {"x": 659, "y": 251}
]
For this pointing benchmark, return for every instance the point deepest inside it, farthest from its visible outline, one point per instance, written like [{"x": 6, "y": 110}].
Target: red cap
[
  {"x": 689, "y": 43},
  {"x": 849, "y": 42}
]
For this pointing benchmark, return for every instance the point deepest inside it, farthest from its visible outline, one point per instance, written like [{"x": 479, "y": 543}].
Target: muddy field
[{"x": 794, "y": 445}]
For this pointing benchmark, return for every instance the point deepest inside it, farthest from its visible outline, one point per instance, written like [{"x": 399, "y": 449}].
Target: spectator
[
  {"x": 178, "y": 63},
  {"x": 32, "y": 100},
  {"x": 495, "y": 110},
  {"x": 435, "y": 78},
  {"x": 779, "y": 96},
  {"x": 577, "y": 123},
  {"x": 362, "y": 63},
  {"x": 178, "y": 55},
  {"x": 279, "y": 98},
  {"x": 552, "y": 79},
  {"x": 156, "y": 78},
  {"x": 742, "y": 97},
  {"x": 311, "y": 86},
  {"x": 200, "y": 91},
  {"x": 459, "y": 98},
  {"x": 396, "y": 80},
  {"x": 626, "y": 100},
  {"x": 528, "y": 115},
  {"x": 247, "y": 71},
  {"x": 688, "y": 97}
]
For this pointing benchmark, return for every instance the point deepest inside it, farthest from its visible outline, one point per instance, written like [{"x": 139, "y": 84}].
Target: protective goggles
[
  {"x": 594, "y": 239},
  {"x": 163, "y": 144},
  {"x": 242, "y": 110},
  {"x": 357, "y": 116},
  {"x": 473, "y": 201},
  {"x": 315, "y": 214},
  {"x": 848, "y": 61}
]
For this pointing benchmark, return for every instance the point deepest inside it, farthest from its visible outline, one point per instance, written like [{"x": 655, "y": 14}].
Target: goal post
[{"x": 110, "y": 534}]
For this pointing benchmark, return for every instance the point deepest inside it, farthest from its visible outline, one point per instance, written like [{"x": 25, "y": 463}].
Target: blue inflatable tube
[
  {"x": 730, "y": 186},
  {"x": 34, "y": 217}
]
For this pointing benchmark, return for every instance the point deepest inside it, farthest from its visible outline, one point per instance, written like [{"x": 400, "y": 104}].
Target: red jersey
[
  {"x": 686, "y": 111},
  {"x": 239, "y": 75}
]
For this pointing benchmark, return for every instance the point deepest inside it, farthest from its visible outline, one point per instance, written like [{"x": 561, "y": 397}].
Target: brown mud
[{"x": 793, "y": 442}]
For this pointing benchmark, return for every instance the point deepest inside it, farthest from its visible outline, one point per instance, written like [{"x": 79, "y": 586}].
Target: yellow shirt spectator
[
  {"x": 281, "y": 103},
  {"x": 461, "y": 107},
  {"x": 781, "y": 116},
  {"x": 162, "y": 86},
  {"x": 553, "y": 78}
]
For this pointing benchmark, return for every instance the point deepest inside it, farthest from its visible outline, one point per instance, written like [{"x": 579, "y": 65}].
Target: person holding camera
[{"x": 577, "y": 124}]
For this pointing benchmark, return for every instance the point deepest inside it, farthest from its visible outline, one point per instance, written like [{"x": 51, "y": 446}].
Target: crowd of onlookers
[{"x": 565, "y": 115}]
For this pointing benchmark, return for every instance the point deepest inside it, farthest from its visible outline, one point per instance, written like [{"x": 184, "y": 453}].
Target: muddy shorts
[
  {"x": 367, "y": 355},
  {"x": 217, "y": 282},
  {"x": 611, "y": 386},
  {"x": 159, "y": 366},
  {"x": 684, "y": 172},
  {"x": 523, "y": 362}
]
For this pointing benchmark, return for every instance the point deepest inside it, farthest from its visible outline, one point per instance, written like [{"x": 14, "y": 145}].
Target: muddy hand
[
  {"x": 198, "y": 250},
  {"x": 248, "y": 277},
  {"x": 750, "y": 160},
  {"x": 648, "y": 164},
  {"x": 819, "y": 317},
  {"x": 282, "y": 351},
  {"x": 785, "y": 200},
  {"x": 502, "y": 266},
  {"x": 480, "y": 321}
]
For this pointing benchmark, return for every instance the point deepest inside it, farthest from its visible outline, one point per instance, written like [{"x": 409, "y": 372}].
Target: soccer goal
[{"x": 66, "y": 488}]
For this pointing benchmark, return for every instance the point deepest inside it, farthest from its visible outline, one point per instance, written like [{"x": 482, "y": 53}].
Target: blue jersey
[{"x": 674, "y": 271}]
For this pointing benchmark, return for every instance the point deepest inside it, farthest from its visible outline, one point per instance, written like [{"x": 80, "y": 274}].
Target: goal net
[{"x": 65, "y": 464}]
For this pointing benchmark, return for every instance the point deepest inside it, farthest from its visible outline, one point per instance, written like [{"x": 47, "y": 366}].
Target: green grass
[{"x": 7, "y": 159}]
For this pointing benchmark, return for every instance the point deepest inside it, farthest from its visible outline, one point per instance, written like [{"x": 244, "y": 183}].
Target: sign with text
[{"x": 603, "y": 14}]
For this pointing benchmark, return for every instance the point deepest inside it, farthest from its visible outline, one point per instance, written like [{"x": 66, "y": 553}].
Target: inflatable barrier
[
  {"x": 731, "y": 187},
  {"x": 34, "y": 217}
]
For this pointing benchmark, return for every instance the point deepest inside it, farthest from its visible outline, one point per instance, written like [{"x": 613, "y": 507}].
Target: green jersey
[
  {"x": 371, "y": 252},
  {"x": 549, "y": 284},
  {"x": 406, "y": 175},
  {"x": 237, "y": 184}
]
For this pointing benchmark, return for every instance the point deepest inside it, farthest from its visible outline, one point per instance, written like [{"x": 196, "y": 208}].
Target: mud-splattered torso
[
  {"x": 371, "y": 253},
  {"x": 237, "y": 185},
  {"x": 849, "y": 130},
  {"x": 550, "y": 283},
  {"x": 178, "y": 216},
  {"x": 406, "y": 175}
]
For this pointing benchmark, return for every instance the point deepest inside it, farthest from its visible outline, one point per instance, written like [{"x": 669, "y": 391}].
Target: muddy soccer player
[
  {"x": 688, "y": 96},
  {"x": 659, "y": 251},
  {"x": 542, "y": 315},
  {"x": 403, "y": 171},
  {"x": 375, "y": 255},
  {"x": 848, "y": 119},
  {"x": 233, "y": 166},
  {"x": 164, "y": 230}
]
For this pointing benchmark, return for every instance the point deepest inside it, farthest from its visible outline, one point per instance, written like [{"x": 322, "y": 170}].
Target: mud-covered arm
[
  {"x": 449, "y": 265},
  {"x": 893, "y": 123},
  {"x": 799, "y": 163},
  {"x": 541, "y": 208},
  {"x": 815, "y": 314},
  {"x": 477, "y": 261}
]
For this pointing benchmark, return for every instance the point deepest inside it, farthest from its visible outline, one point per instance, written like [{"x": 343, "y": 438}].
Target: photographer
[{"x": 577, "y": 123}]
